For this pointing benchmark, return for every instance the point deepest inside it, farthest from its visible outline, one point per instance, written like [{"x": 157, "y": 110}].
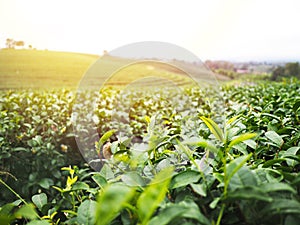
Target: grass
[
  {"x": 42, "y": 69},
  {"x": 35, "y": 69}
]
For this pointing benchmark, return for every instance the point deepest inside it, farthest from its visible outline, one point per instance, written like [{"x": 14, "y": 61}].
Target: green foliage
[
  {"x": 36, "y": 136},
  {"x": 86, "y": 212},
  {"x": 153, "y": 195},
  {"x": 113, "y": 198},
  {"x": 209, "y": 164},
  {"x": 291, "y": 69},
  {"x": 40, "y": 200}
]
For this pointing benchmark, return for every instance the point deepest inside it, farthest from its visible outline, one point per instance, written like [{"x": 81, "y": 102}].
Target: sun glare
[{"x": 211, "y": 29}]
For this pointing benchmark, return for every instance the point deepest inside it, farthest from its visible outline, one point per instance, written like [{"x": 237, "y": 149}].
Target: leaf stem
[
  {"x": 12, "y": 190},
  {"x": 221, "y": 214}
]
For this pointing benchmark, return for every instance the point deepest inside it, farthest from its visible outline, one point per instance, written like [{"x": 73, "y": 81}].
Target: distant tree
[
  {"x": 19, "y": 43},
  {"x": 10, "y": 43},
  {"x": 292, "y": 69},
  {"x": 30, "y": 46},
  {"x": 277, "y": 73},
  {"x": 228, "y": 73}
]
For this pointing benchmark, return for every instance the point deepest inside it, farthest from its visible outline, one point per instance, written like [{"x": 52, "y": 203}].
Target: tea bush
[
  {"x": 35, "y": 133},
  {"x": 218, "y": 157}
]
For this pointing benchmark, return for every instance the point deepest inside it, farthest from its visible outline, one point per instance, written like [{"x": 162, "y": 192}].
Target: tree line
[
  {"x": 12, "y": 44},
  {"x": 291, "y": 69}
]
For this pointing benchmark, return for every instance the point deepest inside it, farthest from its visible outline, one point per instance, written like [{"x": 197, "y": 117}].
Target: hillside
[
  {"x": 48, "y": 69},
  {"x": 42, "y": 69}
]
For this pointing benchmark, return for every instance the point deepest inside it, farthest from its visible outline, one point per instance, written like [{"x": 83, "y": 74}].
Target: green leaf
[
  {"x": 6, "y": 216},
  {"x": 272, "y": 116},
  {"x": 59, "y": 189},
  {"x": 45, "y": 183},
  {"x": 214, "y": 128},
  {"x": 104, "y": 138},
  {"x": 235, "y": 165},
  {"x": 86, "y": 212},
  {"x": 291, "y": 152},
  {"x": 296, "y": 106},
  {"x": 248, "y": 193},
  {"x": 185, "y": 209},
  {"x": 7, "y": 208},
  {"x": 151, "y": 125},
  {"x": 6, "y": 219},
  {"x": 17, "y": 202},
  {"x": 241, "y": 147},
  {"x": 199, "y": 189},
  {"x": 39, "y": 200},
  {"x": 27, "y": 212},
  {"x": 233, "y": 119},
  {"x": 251, "y": 143},
  {"x": 281, "y": 206},
  {"x": 106, "y": 172},
  {"x": 100, "y": 180},
  {"x": 271, "y": 187},
  {"x": 271, "y": 162},
  {"x": 168, "y": 214},
  {"x": 111, "y": 201},
  {"x": 243, "y": 177},
  {"x": 133, "y": 179},
  {"x": 80, "y": 186},
  {"x": 126, "y": 217},
  {"x": 214, "y": 203},
  {"x": 20, "y": 149},
  {"x": 153, "y": 195},
  {"x": 194, "y": 212},
  {"x": 199, "y": 142},
  {"x": 275, "y": 138},
  {"x": 5, "y": 155},
  {"x": 185, "y": 178},
  {"x": 241, "y": 138},
  {"x": 38, "y": 222}
]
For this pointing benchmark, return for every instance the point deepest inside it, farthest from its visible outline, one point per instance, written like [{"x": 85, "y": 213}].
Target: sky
[{"x": 217, "y": 29}]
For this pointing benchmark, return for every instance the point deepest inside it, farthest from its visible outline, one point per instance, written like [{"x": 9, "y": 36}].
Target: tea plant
[{"x": 206, "y": 164}]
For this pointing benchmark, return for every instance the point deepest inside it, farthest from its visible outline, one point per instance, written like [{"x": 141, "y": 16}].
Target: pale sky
[{"x": 216, "y": 29}]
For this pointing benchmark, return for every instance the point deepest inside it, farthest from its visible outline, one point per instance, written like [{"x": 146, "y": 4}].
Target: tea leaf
[
  {"x": 241, "y": 138},
  {"x": 235, "y": 165},
  {"x": 100, "y": 180},
  {"x": 275, "y": 138},
  {"x": 296, "y": 106},
  {"x": 133, "y": 179},
  {"x": 271, "y": 187},
  {"x": 153, "y": 195},
  {"x": 248, "y": 193},
  {"x": 111, "y": 201},
  {"x": 184, "y": 178},
  {"x": 281, "y": 206},
  {"x": 27, "y": 211},
  {"x": 86, "y": 212},
  {"x": 39, "y": 200},
  {"x": 38, "y": 222},
  {"x": 214, "y": 128}
]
